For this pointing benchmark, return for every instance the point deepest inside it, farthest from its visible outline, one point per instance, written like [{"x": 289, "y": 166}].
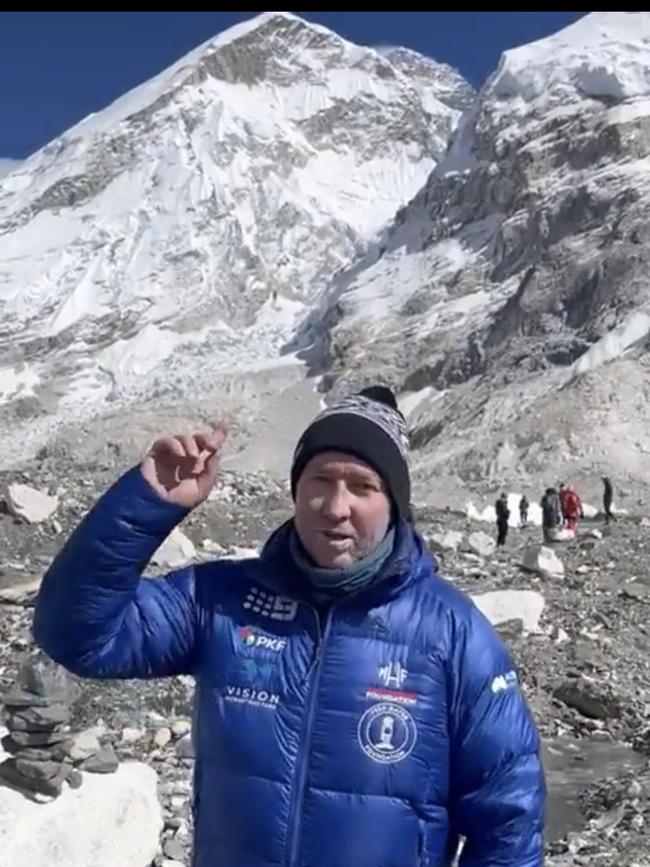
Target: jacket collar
[{"x": 409, "y": 563}]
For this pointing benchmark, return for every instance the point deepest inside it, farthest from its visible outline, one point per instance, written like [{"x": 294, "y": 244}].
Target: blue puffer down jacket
[{"x": 373, "y": 735}]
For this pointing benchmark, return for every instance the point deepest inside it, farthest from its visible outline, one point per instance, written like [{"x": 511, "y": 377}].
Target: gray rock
[
  {"x": 74, "y": 778},
  {"x": 174, "y": 850},
  {"x": 36, "y": 719},
  {"x": 132, "y": 735},
  {"x": 38, "y": 739},
  {"x": 583, "y": 698},
  {"x": 442, "y": 542},
  {"x": 481, "y": 544},
  {"x": 637, "y": 591},
  {"x": 50, "y": 786},
  {"x": 544, "y": 561},
  {"x": 26, "y": 502},
  {"x": 37, "y": 770},
  {"x": 510, "y": 629},
  {"x": 49, "y": 681},
  {"x": 21, "y": 593},
  {"x": 56, "y": 753},
  {"x": 20, "y": 698},
  {"x": 162, "y": 737},
  {"x": 84, "y": 745},
  {"x": 185, "y": 748},
  {"x": 103, "y": 762}
]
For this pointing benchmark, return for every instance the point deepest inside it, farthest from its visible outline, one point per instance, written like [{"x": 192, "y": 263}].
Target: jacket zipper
[{"x": 295, "y": 814}]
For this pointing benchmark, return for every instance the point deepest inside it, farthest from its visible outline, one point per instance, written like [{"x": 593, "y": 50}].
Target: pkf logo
[
  {"x": 246, "y": 637},
  {"x": 251, "y": 639}
]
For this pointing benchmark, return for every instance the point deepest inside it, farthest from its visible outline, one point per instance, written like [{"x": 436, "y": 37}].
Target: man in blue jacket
[{"x": 352, "y": 708}]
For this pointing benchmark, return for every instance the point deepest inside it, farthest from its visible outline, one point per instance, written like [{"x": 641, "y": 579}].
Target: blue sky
[{"x": 57, "y": 67}]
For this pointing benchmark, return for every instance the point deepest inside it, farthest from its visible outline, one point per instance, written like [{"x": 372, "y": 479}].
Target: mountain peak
[
  {"x": 200, "y": 215},
  {"x": 604, "y": 57}
]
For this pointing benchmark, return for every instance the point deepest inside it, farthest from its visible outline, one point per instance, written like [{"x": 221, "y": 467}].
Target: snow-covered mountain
[
  {"x": 185, "y": 229},
  {"x": 510, "y": 300}
]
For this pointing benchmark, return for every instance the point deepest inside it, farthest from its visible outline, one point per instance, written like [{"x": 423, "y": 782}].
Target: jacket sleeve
[
  {"x": 95, "y": 615},
  {"x": 498, "y": 791}
]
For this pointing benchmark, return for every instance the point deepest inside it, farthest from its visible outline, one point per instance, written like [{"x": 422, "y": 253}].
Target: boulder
[
  {"x": 636, "y": 590},
  {"x": 587, "y": 699},
  {"x": 543, "y": 561},
  {"x": 85, "y": 744},
  {"x": 176, "y": 551},
  {"x": 87, "y": 825},
  {"x": 20, "y": 593},
  {"x": 30, "y": 504},
  {"x": 185, "y": 747},
  {"x": 104, "y": 761},
  {"x": 502, "y": 606},
  {"x": 481, "y": 544},
  {"x": 448, "y": 541},
  {"x": 132, "y": 735},
  {"x": 161, "y": 738}
]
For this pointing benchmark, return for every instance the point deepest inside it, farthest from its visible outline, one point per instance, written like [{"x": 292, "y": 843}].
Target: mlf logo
[
  {"x": 393, "y": 675},
  {"x": 251, "y": 639}
]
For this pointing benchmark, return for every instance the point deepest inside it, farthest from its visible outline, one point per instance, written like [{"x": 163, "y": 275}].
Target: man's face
[{"x": 342, "y": 509}]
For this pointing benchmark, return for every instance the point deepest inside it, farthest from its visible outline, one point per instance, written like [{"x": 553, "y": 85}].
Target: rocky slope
[
  {"x": 508, "y": 302},
  {"x": 579, "y": 641}
]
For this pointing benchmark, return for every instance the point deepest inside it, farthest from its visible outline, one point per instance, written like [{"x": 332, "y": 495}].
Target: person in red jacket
[{"x": 571, "y": 508}]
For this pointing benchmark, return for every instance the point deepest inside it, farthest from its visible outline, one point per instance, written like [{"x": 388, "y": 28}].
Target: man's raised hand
[{"x": 183, "y": 469}]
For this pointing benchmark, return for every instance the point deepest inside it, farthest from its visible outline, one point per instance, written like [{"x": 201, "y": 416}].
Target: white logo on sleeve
[
  {"x": 503, "y": 682},
  {"x": 269, "y": 605}
]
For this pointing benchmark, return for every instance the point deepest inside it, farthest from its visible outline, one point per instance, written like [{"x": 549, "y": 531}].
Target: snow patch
[
  {"x": 16, "y": 382},
  {"x": 634, "y": 329},
  {"x": 628, "y": 112},
  {"x": 488, "y": 515},
  {"x": 412, "y": 403}
]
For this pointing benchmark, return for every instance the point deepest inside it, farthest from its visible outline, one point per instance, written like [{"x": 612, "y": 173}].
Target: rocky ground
[{"x": 584, "y": 663}]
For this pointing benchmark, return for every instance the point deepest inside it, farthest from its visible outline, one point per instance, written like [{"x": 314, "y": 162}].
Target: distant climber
[
  {"x": 608, "y": 499},
  {"x": 562, "y": 491},
  {"x": 524, "y": 505},
  {"x": 503, "y": 516},
  {"x": 551, "y": 513}
]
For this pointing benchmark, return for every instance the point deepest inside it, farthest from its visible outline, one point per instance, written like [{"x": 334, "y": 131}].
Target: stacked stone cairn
[{"x": 37, "y": 712}]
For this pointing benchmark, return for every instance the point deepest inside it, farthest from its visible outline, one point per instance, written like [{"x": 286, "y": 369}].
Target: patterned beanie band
[{"x": 368, "y": 426}]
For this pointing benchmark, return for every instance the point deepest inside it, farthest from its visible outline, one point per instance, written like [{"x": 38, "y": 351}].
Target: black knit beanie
[{"x": 368, "y": 426}]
